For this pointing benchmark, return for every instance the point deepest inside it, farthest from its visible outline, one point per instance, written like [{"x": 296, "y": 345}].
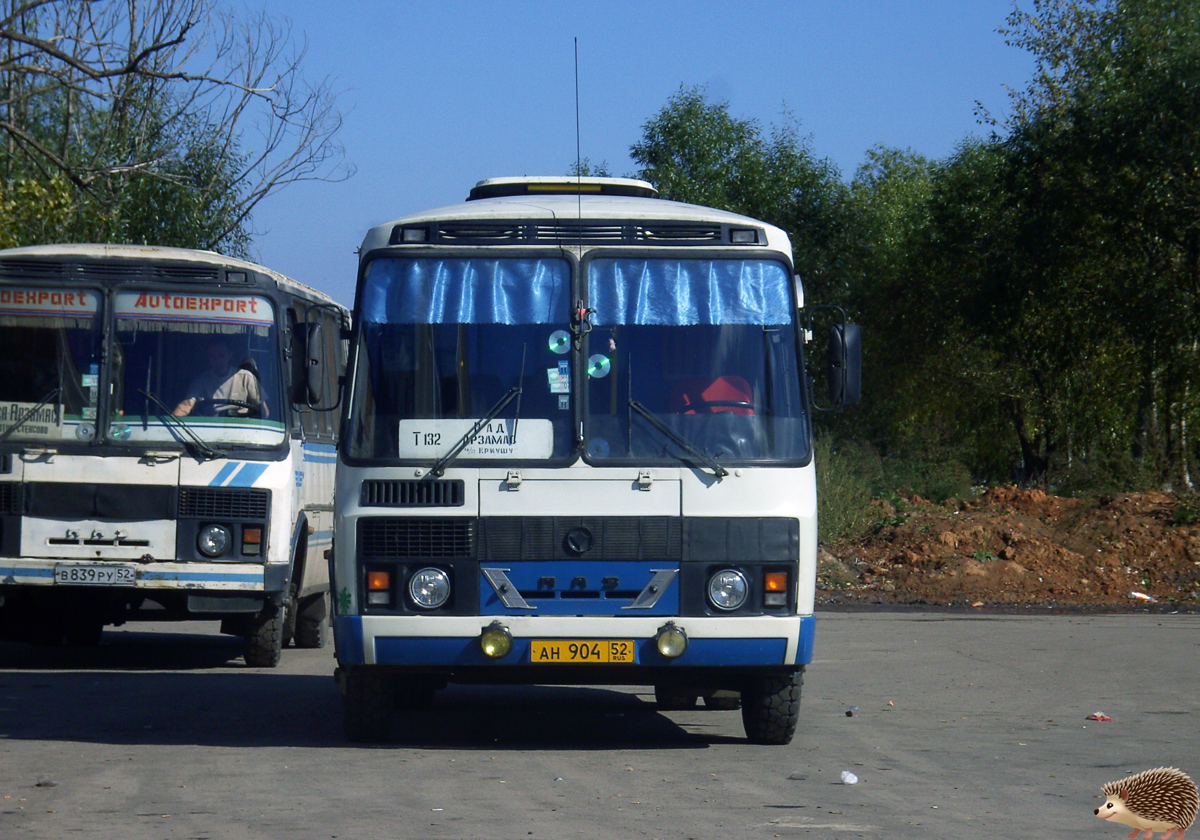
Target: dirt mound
[{"x": 1012, "y": 546}]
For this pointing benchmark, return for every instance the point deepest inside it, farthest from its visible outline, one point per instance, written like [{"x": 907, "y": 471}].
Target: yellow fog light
[
  {"x": 671, "y": 641},
  {"x": 495, "y": 640}
]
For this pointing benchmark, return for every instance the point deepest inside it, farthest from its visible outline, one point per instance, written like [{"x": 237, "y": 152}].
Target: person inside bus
[{"x": 222, "y": 382}]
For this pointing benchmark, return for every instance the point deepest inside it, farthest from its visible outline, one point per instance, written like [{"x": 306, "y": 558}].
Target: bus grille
[
  {"x": 224, "y": 503},
  {"x": 427, "y": 538},
  {"x": 59, "y": 268},
  {"x": 11, "y": 498},
  {"x": 507, "y": 538},
  {"x": 573, "y": 232},
  {"x": 402, "y": 493}
]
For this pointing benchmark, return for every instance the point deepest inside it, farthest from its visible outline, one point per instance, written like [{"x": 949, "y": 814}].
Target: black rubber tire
[
  {"x": 264, "y": 638},
  {"x": 368, "y": 699},
  {"x": 312, "y": 622},
  {"x": 771, "y": 708},
  {"x": 675, "y": 698}
]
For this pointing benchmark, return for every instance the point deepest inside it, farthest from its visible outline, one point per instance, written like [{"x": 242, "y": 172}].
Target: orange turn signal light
[
  {"x": 379, "y": 580},
  {"x": 775, "y": 581},
  {"x": 252, "y": 535}
]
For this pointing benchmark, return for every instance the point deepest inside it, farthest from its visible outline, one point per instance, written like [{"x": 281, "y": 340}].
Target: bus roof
[
  {"x": 151, "y": 253},
  {"x": 565, "y": 208},
  {"x": 561, "y": 185}
]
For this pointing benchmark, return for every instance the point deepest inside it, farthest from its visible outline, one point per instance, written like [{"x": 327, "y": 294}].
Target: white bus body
[
  {"x": 114, "y": 509},
  {"x": 576, "y": 449}
]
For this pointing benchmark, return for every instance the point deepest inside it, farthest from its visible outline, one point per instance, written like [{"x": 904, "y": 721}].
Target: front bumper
[{"x": 452, "y": 642}]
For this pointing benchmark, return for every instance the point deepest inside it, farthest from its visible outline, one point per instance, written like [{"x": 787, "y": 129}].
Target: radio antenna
[{"x": 578, "y": 153}]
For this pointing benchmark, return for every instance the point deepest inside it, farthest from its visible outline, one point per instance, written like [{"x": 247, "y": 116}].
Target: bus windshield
[
  {"x": 690, "y": 356},
  {"x": 444, "y": 341},
  {"x": 209, "y": 360},
  {"x": 49, "y": 363}
]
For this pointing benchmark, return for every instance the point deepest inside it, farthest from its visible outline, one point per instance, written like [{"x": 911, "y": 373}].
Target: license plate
[
  {"x": 581, "y": 651},
  {"x": 95, "y": 574}
]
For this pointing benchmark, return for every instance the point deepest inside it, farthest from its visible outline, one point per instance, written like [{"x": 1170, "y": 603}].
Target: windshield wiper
[
  {"x": 439, "y": 467},
  {"x": 201, "y": 445},
  {"x": 702, "y": 456},
  {"x": 54, "y": 392}
]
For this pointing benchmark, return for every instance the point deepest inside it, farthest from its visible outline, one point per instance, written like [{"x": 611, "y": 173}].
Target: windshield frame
[
  {"x": 276, "y": 427},
  {"x": 105, "y": 377},
  {"x": 356, "y": 366},
  {"x": 804, "y": 419}
]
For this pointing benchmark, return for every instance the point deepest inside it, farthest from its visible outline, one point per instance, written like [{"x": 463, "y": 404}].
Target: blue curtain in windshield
[
  {"x": 676, "y": 293},
  {"x": 466, "y": 291}
]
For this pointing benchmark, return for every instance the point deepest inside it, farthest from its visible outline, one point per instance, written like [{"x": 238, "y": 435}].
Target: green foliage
[
  {"x": 846, "y": 475},
  {"x": 695, "y": 151},
  {"x": 1187, "y": 512},
  {"x": 124, "y": 122}
]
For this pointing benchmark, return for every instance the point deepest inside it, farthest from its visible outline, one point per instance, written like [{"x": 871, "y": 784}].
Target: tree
[
  {"x": 695, "y": 151},
  {"x": 167, "y": 121},
  {"x": 1104, "y": 145}
]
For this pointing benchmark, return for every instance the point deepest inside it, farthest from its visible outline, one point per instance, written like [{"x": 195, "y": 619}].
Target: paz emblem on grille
[{"x": 578, "y": 540}]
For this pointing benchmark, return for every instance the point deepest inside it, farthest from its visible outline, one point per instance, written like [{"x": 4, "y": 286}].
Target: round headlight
[
  {"x": 429, "y": 588},
  {"x": 213, "y": 540},
  {"x": 727, "y": 589}
]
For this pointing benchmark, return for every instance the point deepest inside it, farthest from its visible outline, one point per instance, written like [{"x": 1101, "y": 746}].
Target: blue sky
[{"x": 439, "y": 95}]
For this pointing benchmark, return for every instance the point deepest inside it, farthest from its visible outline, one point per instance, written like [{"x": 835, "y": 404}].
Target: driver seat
[{"x": 700, "y": 395}]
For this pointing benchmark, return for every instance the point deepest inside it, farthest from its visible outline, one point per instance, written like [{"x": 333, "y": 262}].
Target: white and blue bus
[
  {"x": 167, "y": 445},
  {"x": 577, "y": 449}
]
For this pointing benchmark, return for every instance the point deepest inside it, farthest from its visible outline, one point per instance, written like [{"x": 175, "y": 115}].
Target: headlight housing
[
  {"x": 727, "y": 589},
  {"x": 496, "y": 641},
  {"x": 213, "y": 540},
  {"x": 429, "y": 588}
]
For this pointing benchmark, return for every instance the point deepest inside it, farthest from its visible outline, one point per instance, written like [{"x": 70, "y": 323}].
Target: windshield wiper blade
[
  {"x": 54, "y": 392},
  {"x": 439, "y": 467},
  {"x": 201, "y": 445},
  {"x": 702, "y": 456}
]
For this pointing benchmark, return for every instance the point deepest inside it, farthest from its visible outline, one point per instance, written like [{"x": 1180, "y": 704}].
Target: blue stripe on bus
[
  {"x": 17, "y": 571},
  {"x": 320, "y": 453},
  {"x": 224, "y": 473},
  {"x": 247, "y": 475}
]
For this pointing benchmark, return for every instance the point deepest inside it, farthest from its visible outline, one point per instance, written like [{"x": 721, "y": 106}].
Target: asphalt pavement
[{"x": 961, "y": 726}]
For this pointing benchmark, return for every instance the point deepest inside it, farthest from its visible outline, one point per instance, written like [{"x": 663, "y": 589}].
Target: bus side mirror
[
  {"x": 314, "y": 365},
  {"x": 844, "y": 360}
]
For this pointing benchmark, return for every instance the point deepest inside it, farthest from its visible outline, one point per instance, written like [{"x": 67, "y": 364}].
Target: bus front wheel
[
  {"x": 771, "y": 707},
  {"x": 264, "y": 638}
]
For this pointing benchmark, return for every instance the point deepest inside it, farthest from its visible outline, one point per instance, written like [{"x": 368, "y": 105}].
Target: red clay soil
[{"x": 1012, "y": 547}]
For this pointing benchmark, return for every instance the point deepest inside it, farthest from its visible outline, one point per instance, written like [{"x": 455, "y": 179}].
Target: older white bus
[
  {"x": 167, "y": 445},
  {"x": 577, "y": 449}
]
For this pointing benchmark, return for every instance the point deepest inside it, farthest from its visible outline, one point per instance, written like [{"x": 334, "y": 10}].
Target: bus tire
[
  {"x": 264, "y": 638},
  {"x": 771, "y": 708},
  {"x": 367, "y": 703},
  {"x": 311, "y": 624},
  {"x": 675, "y": 698}
]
